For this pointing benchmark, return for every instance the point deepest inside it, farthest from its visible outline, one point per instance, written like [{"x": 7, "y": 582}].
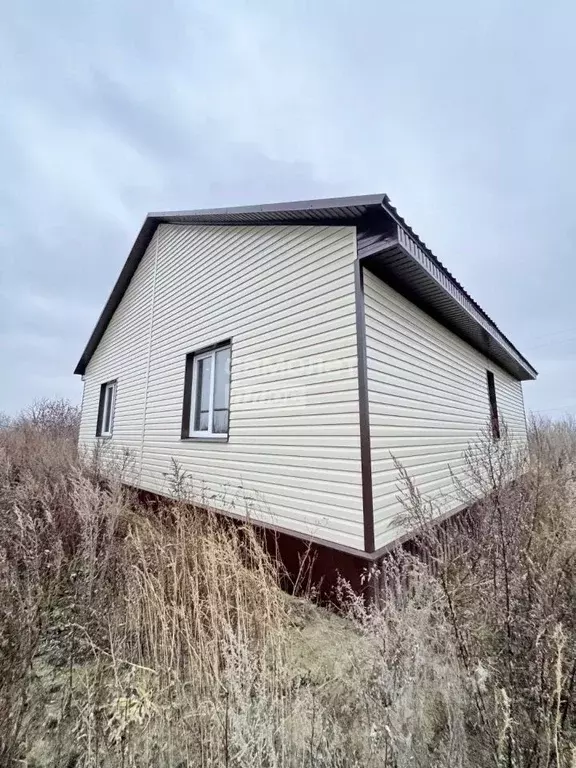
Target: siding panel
[
  {"x": 123, "y": 355},
  {"x": 428, "y": 402},
  {"x": 285, "y": 296}
]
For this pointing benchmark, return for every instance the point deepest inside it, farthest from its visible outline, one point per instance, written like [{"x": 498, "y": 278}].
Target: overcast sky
[{"x": 464, "y": 115}]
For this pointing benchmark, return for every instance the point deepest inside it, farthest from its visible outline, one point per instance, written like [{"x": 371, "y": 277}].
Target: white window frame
[
  {"x": 207, "y": 433},
  {"x": 106, "y": 430}
]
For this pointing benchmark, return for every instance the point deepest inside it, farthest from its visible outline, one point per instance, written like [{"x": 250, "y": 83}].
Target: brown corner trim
[{"x": 364, "y": 412}]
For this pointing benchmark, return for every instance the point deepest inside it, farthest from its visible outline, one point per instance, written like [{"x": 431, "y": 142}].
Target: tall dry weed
[
  {"x": 508, "y": 580},
  {"x": 138, "y": 638}
]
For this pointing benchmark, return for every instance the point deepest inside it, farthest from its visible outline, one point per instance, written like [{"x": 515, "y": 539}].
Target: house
[{"x": 281, "y": 357}]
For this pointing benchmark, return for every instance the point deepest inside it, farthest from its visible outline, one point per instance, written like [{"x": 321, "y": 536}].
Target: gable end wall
[{"x": 284, "y": 295}]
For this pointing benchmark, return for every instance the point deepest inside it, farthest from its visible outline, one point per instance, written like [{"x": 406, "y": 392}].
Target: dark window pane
[
  {"x": 202, "y": 405},
  {"x": 221, "y": 421},
  {"x": 494, "y": 418},
  {"x": 107, "y": 421},
  {"x": 222, "y": 380},
  {"x": 202, "y": 421}
]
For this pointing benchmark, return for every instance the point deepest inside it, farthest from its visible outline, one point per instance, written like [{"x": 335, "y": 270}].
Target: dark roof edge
[
  {"x": 134, "y": 258},
  {"x": 500, "y": 337},
  {"x": 346, "y": 210},
  {"x": 153, "y": 219},
  {"x": 295, "y": 206}
]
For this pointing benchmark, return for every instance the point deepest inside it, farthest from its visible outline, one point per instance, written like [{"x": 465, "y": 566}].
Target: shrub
[
  {"x": 508, "y": 581},
  {"x": 138, "y": 638}
]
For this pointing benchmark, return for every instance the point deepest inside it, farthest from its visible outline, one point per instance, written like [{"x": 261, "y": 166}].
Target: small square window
[
  {"x": 106, "y": 407},
  {"x": 207, "y": 393}
]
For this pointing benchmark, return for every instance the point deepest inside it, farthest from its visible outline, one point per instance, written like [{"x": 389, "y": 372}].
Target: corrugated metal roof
[
  {"x": 419, "y": 250},
  {"x": 373, "y": 215},
  {"x": 337, "y": 208}
]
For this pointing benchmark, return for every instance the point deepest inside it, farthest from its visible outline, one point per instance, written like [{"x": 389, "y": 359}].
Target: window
[
  {"x": 207, "y": 393},
  {"x": 494, "y": 420},
  {"x": 106, "y": 409}
]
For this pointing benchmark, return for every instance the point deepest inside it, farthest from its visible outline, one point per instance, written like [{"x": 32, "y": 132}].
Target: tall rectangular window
[
  {"x": 207, "y": 393},
  {"x": 105, "y": 423},
  {"x": 494, "y": 419}
]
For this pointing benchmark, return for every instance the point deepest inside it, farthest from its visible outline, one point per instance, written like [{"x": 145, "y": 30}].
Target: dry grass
[{"x": 132, "y": 639}]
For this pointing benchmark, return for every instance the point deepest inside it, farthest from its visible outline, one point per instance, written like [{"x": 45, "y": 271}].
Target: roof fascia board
[
  {"x": 410, "y": 245},
  {"x": 299, "y": 205},
  {"x": 369, "y": 205}
]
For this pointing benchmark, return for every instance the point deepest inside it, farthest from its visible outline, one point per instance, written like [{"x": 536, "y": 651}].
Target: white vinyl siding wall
[
  {"x": 428, "y": 400},
  {"x": 123, "y": 355},
  {"x": 285, "y": 297}
]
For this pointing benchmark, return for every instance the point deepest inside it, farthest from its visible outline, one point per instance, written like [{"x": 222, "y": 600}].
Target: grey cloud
[{"x": 111, "y": 110}]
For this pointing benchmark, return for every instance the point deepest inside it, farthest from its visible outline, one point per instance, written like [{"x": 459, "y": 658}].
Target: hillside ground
[{"x": 136, "y": 639}]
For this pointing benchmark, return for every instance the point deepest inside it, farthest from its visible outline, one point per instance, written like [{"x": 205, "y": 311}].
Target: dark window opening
[
  {"x": 494, "y": 420},
  {"x": 105, "y": 422}
]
